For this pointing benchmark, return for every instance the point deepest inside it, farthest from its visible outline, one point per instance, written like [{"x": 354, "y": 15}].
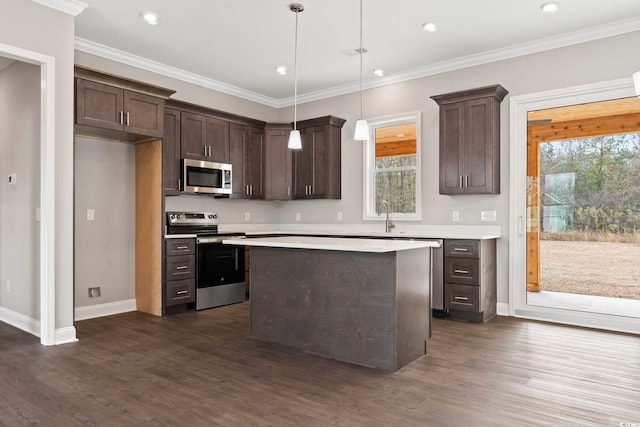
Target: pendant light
[
  {"x": 636, "y": 82},
  {"x": 295, "y": 142},
  {"x": 362, "y": 128}
]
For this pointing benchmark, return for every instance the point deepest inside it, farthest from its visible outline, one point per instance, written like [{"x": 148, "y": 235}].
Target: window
[{"x": 392, "y": 168}]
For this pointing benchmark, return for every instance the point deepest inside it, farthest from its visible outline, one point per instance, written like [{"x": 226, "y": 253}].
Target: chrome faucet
[{"x": 388, "y": 225}]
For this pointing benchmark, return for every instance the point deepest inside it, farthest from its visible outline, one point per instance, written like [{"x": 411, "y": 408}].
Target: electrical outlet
[
  {"x": 8, "y": 286},
  {"x": 91, "y": 215},
  {"x": 339, "y": 216},
  {"x": 455, "y": 216},
  {"x": 13, "y": 179},
  {"x": 247, "y": 216},
  {"x": 94, "y": 292},
  {"x": 298, "y": 216}
]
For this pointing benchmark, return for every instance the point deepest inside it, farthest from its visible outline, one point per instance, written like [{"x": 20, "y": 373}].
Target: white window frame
[{"x": 369, "y": 162}]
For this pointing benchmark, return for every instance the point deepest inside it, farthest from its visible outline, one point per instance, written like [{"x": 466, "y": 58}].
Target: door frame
[
  {"x": 519, "y": 106},
  {"x": 47, "y": 185}
]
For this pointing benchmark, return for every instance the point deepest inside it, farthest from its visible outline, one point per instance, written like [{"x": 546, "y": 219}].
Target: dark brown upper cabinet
[
  {"x": 470, "y": 140},
  {"x": 317, "y": 167},
  {"x": 278, "y": 162},
  {"x": 115, "y": 108},
  {"x": 246, "y": 145},
  {"x": 204, "y": 138},
  {"x": 171, "y": 152}
]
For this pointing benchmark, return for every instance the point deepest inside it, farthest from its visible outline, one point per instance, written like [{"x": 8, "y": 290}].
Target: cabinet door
[
  {"x": 302, "y": 166},
  {"x": 479, "y": 146},
  {"x": 217, "y": 140},
  {"x": 99, "y": 105},
  {"x": 143, "y": 114},
  {"x": 254, "y": 146},
  {"x": 237, "y": 137},
  {"x": 278, "y": 165},
  {"x": 451, "y": 148},
  {"x": 171, "y": 153},
  {"x": 193, "y": 135}
]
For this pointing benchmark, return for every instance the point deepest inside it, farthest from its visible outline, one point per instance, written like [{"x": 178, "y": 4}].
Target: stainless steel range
[{"x": 220, "y": 273}]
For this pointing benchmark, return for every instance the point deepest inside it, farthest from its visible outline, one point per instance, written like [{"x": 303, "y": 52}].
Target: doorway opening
[{"x": 576, "y": 206}]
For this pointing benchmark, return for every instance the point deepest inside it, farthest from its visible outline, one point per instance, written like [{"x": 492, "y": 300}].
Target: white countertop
[
  {"x": 333, "y": 243},
  {"x": 477, "y": 232}
]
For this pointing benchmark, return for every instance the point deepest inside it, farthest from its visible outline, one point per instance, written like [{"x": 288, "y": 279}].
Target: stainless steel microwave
[{"x": 199, "y": 176}]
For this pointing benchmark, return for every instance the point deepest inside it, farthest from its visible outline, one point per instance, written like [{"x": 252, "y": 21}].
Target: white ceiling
[{"x": 234, "y": 46}]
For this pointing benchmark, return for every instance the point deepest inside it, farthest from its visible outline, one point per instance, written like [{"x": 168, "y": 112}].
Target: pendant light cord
[
  {"x": 361, "y": 53},
  {"x": 295, "y": 76}
]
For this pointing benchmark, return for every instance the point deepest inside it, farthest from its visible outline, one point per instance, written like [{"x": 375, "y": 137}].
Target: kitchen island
[{"x": 363, "y": 301}]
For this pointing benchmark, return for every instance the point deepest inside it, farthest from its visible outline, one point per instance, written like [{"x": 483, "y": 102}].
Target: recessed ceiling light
[
  {"x": 281, "y": 69},
  {"x": 151, "y": 18},
  {"x": 378, "y": 72},
  {"x": 551, "y": 6},
  {"x": 430, "y": 27}
]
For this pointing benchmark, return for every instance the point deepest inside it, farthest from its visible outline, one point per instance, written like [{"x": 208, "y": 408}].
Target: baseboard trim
[
  {"x": 65, "y": 335},
  {"x": 20, "y": 321},
  {"x": 502, "y": 309},
  {"x": 106, "y": 309}
]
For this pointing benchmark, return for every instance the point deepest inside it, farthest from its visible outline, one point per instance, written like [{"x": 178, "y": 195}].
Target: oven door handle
[{"x": 214, "y": 239}]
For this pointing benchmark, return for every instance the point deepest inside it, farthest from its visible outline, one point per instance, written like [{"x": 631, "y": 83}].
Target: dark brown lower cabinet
[
  {"x": 180, "y": 273},
  {"x": 470, "y": 279}
]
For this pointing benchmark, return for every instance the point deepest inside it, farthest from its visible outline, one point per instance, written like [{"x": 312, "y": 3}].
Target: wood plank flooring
[{"x": 203, "y": 369}]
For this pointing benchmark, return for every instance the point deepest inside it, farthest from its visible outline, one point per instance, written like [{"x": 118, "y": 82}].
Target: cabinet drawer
[
  {"x": 180, "y": 291},
  {"x": 180, "y": 267},
  {"x": 462, "y": 248},
  {"x": 462, "y": 297},
  {"x": 180, "y": 246},
  {"x": 461, "y": 270}
]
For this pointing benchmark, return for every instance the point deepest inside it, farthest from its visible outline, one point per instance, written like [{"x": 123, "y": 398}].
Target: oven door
[{"x": 220, "y": 274}]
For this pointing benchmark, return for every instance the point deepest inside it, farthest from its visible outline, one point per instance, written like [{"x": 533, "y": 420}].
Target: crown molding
[
  {"x": 71, "y": 7},
  {"x": 549, "y": 43},
  {"x": 169, "y": 71}
]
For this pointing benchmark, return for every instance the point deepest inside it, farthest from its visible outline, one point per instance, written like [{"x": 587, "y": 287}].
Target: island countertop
[{"x": 333, "y": 243}]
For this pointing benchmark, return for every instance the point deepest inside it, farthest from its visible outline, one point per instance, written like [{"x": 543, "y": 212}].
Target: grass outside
[{"x": 602, "y": 268}]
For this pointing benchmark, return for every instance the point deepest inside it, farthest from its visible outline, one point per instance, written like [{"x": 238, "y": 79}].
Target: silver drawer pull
[
  {"x": 182, "y": 247},
  {"x": 461, "y": 298},
  {"x": 182, "y": 292},
  {"x": 182, "y": 267},
  {"x": 461, "y": 271},
  {"x": 460, "y": 250}
]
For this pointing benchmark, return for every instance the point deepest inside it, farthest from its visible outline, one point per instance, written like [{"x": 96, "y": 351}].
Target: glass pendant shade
[
  {"x": 362, "y": 131},
  {"x": 295, "y": 143},
  {"x": 636, "y": 82}
]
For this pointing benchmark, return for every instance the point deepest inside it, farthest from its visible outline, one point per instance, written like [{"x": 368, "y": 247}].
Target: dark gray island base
[{"x": 367, "y": 308}]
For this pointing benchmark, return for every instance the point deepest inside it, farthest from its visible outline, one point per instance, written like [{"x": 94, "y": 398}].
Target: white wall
[
  {"x": 595, "y": 61},
  {"x": 105, "y": 247},
  {"x": 37, "y": 28},
  {"x": 20, "y": 155}
]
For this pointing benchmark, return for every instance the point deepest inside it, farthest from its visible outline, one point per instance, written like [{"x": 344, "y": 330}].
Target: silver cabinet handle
[
  {"x": 461, "y": 298},
  {"x": 246, "y": 189},
  {"x": 461, "y": 271},
  {"x": 460, "y": 249},
  {"x": 182, "y": 292},
  {"x": 205, "y": 150},
  {"x": 466, "y": 181},
  {"x": 460, "y": 181},
  {"x": 179, "y": 184},
  {"x": 127, "y": 118},
  {"x": 121, "y": 117},
  {"x": 182, "y": 267},
  {"x": 311, "y": 189},
  {"x": 288, "y": 190},
  {"x": 182, "y": 247}
]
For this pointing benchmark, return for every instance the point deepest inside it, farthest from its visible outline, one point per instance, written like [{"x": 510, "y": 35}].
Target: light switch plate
[
  {"x": 247, "y": 216},
  {"x": 298, "y": 216},
  {"x": 91, "y": 215},
  {"x": 455, "y": 216},
  {"x": 487, "y": 215}
]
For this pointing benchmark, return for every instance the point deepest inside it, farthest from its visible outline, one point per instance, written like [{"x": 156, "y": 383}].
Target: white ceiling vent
[{"x": 355, "y": 51}]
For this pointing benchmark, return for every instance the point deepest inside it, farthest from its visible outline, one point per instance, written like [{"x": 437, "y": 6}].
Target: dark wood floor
[{"x": 202, "y": 368}]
